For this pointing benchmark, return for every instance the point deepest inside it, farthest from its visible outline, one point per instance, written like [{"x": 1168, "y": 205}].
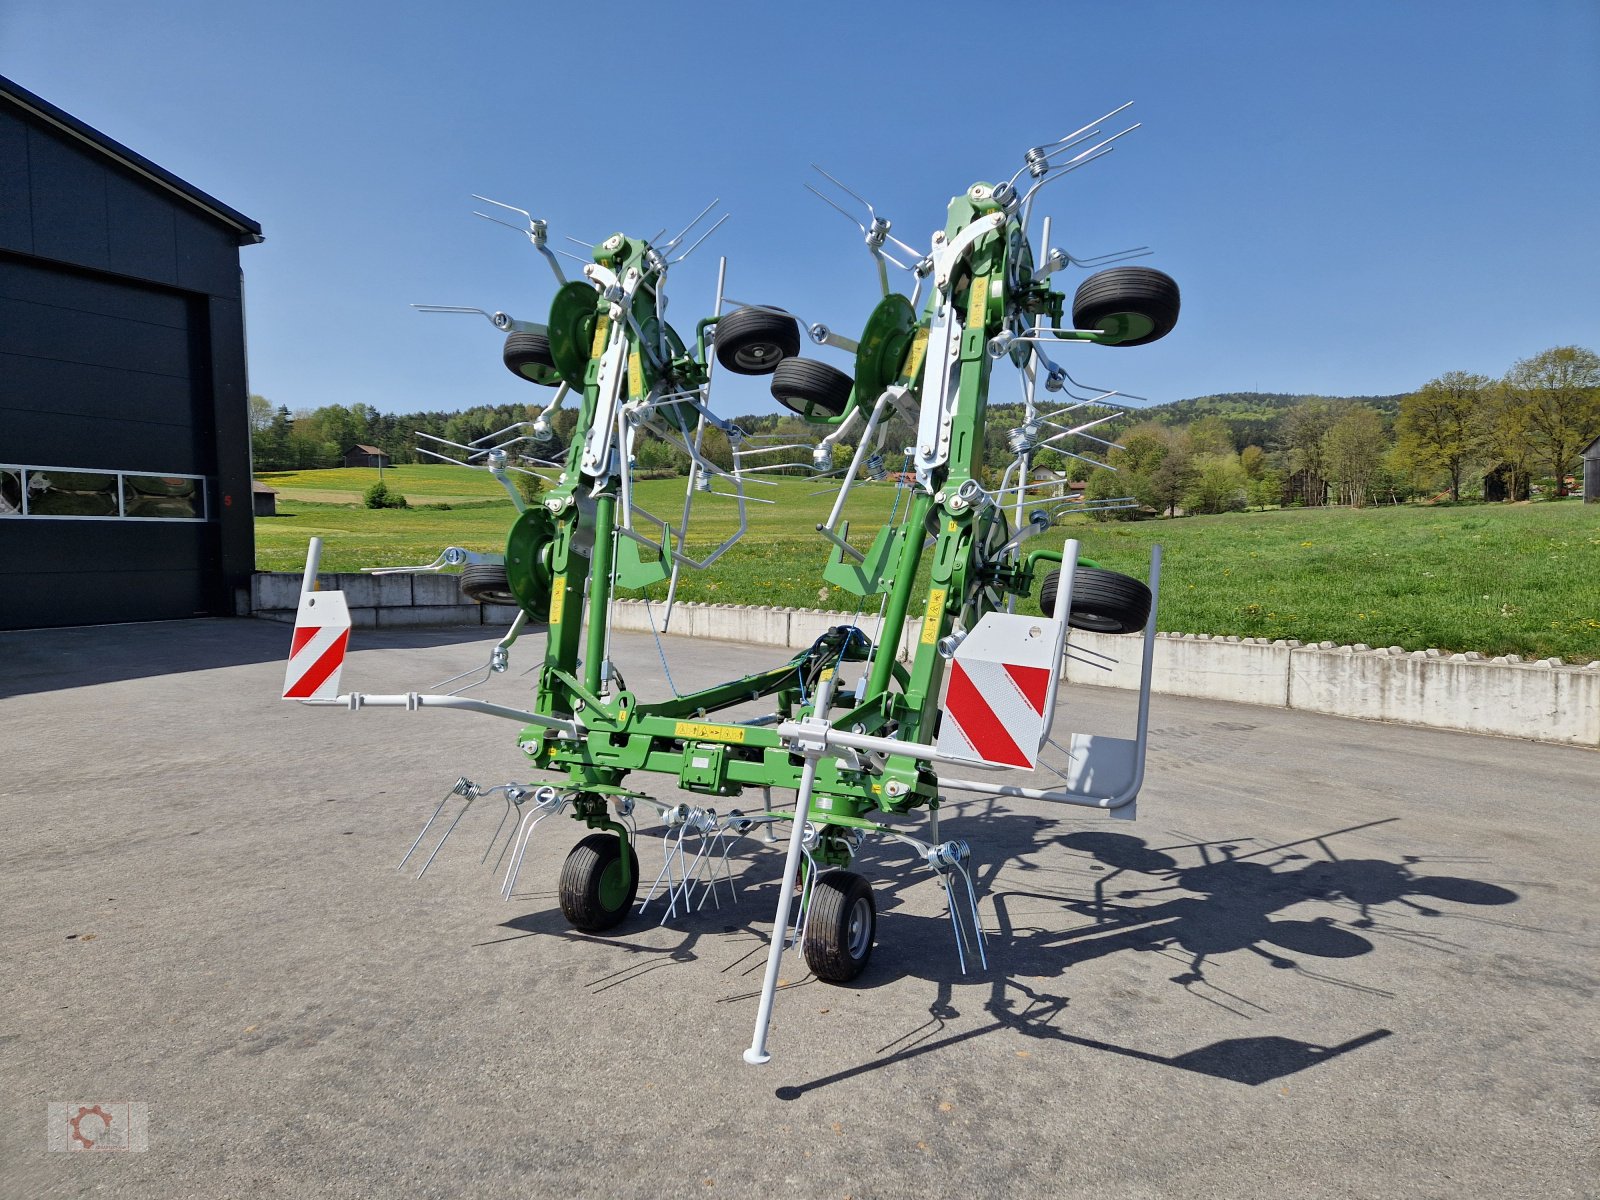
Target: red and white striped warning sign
[
  {"x": 998, "y": 686},
  {"x": 316, "y": 656}
]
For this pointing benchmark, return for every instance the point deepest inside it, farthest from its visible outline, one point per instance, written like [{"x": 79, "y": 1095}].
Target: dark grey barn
[{"x": 124, "y": 438}]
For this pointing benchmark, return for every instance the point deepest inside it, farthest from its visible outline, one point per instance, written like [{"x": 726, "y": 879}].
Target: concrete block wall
[
  {"x": 1543, "y": 701},
  {"x": 380, "y": 601}
]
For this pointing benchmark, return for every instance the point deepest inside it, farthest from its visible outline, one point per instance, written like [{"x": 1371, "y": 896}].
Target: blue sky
[{"x": 1354, "y": 197}]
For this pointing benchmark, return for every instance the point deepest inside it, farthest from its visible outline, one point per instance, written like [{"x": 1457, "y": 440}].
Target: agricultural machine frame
[{"x": 860, "y": 736}]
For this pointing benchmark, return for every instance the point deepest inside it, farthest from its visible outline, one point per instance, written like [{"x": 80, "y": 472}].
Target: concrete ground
[{"x": 1330, "y": 959}]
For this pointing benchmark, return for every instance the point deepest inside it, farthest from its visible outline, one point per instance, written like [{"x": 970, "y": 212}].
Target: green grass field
[{"x": 1501, "y": 579}]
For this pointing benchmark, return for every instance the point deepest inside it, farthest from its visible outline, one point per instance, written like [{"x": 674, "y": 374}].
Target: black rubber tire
[
  {"x": 486, "y": 583},
  {"x": 808, "y": 387},
  {"x": 591, "y": 902},
  {"x": 1102, "y": 601},
  {"x": 527, "y": 356},
  {"x": 840, "y": 927},
  {"x": 1134, "y": 291},
  {"x": 753, "y": 341}
]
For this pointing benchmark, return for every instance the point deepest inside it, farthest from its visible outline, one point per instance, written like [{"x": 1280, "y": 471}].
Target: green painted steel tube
[
  {"x": 605, "y": 515},
  {"x": 894, "y": 617}
]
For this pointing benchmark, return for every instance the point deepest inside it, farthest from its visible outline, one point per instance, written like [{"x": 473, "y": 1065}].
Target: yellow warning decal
[
  {"x": 978, "y": 303},
  {"x": 635, "y": 374},
  {"x": 919, "y": 349},
  {"x": 558, "y": 598},
  {"x": 709, "y": 733},
  {"x": 931, "y": 622},
  {"x": 602, "y": 331}
]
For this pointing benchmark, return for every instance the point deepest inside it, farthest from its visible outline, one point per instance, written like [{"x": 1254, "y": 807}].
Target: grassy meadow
[{"x": 1501, "y": 579}]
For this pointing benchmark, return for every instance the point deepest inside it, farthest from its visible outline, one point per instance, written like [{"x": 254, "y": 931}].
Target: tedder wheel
[
  {"x": 1133, "y": 305},
  {"x": 486, "y": 583},
  {"x": 808, "y": 387},
  {"x": 1102, "y": 601},
  {"x": 527, "y": 356},
  {"x": 753, "y": 341},
  {"x": 840, "y": 927},
  {"x": 595, "y": 893}
]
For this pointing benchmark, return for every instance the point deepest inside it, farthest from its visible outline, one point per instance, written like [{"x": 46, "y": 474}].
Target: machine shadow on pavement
[{"x": 1114, "y": 894}]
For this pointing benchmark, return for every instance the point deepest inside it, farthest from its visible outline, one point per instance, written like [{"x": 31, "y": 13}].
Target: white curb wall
[{"x": 1543, "y": 701}]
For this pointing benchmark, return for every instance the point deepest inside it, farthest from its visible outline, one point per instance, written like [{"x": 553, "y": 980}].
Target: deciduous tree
[
  {"x": 1559, "y": 393},
  {"x": 1354, "y": 447},
  {"x": 1442, "y": 427}
]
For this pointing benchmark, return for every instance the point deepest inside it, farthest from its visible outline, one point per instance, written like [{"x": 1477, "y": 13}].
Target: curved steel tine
[
  {"x": 723, "y": 840},
  {"x": 462, "y": 675},
  {"x": 509, "y": 888},
  {"x": 977, "y": 924},
  {"x": 692, "y": 872},
  {"x": 522, "y": 818},
  {"x": 854, "y": 221},
  {"x": 510, "y": 804},
  {"x": 677, "y": 887},
  {"x": 455, "y": 791},
  {"x": 426, "y": 826},
  {"x": 666, "y": 862},
  {"x": 701, "y": 238},
  {"x": 802, "y": 916},
  {"x": 446, "y": 836},
  {"x": 955, "y": 921}
]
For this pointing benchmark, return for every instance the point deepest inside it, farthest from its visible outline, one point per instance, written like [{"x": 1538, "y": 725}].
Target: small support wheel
[
  {"x": 1102, "y": 601},
  {"x": 527, "y": 356},
  {"x": 841, "y": 926},
  {"x": 811, "y": 388},
  {"x": 753, "y": 341},
  {"x": 486, "y": 583},
  {"x": 597, "y": 888},
  {"x": 1130, "y": 306}
]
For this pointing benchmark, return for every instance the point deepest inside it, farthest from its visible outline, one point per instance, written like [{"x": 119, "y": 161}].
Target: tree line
[{"x": 1460, "y": 435}]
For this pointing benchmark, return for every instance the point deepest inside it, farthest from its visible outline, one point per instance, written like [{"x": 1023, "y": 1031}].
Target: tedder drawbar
[{"x": 865, "y": 728}]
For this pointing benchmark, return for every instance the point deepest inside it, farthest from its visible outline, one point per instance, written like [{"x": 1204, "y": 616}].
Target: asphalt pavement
[{"x": 1330, "y": 959}]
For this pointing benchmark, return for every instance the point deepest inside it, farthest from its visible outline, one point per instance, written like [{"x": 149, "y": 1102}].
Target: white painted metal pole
[
  {"x": 757, "y": 1053},
  {"x": 308, "y": 582}
]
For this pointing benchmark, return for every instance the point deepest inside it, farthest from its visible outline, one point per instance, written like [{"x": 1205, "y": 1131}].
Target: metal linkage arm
[{"x": 412, "y": 701}]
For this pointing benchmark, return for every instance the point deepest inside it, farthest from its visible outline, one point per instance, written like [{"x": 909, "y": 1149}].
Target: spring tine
[
  {"x": 445, "y": 838},
  {"x": 507, "y": 207},
  {"x": 498, "y": 221},
  {"x": 673, "y": 244},
  {"x": 666, "y": 860},
  {"x": 854, "y": 221},
  {"x": 510, "y": 804},
  {"x": 977, "y": 925},
  {"x": 702, "y": 238},
  {"x": 507, "y": 891},
  {"x": 848, "y": 191},
  {"x": 516, "y": 829},
  {"x": 711, "y": 874},
  {"x": 426, "y": 826}
]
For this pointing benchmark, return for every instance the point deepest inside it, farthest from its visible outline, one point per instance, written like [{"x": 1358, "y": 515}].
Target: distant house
[
  {"x": 265, "y": 499},
  {"x": 1059, "y": 484},
  {"x": 1505, "y": 482},
  {"x": 365, "y": 456},
  {"x": 1591, "y": 472}
]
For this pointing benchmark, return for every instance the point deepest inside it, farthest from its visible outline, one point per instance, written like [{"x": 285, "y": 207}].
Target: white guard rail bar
[{"x": 415, "y": 700}]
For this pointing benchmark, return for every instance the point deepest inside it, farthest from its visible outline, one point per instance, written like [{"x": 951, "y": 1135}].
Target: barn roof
[{"x": 248, "y": 231}]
